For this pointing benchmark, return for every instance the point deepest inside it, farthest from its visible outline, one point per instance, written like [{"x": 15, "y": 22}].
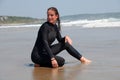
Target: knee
[
  {"x": 68, "y": 39},
  {"x": 60, "y": 60},
  {"x": 67, "y": 45}
]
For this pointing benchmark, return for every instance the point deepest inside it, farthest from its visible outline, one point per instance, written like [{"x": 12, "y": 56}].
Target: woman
[{"x": 44, "y": 53}]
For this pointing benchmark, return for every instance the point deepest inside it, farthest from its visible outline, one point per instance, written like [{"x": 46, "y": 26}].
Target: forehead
[{"x": 51, "y": 11}]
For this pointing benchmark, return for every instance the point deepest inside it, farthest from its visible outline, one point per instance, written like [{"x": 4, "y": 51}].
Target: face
[{"x": 51, "y": 16}]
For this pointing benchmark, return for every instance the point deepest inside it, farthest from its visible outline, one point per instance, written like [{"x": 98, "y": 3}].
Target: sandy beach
[{"x": 101, "y": 45}]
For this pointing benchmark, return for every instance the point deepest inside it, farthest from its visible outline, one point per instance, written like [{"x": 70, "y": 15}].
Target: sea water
[
  {"x": 93, "y": 20},
  {"x": 84, "y": 21}
]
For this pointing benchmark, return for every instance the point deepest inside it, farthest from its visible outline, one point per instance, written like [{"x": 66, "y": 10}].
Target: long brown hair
[{"x": 57, "y": 13}]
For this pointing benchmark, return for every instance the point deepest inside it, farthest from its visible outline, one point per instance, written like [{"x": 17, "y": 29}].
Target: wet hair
[{"x": 56, "y": 13}]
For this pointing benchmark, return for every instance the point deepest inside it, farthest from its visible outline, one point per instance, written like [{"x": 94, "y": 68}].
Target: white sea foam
[
  {"x": 20, "y": 26},
  {"x": 110, "y": 22}
]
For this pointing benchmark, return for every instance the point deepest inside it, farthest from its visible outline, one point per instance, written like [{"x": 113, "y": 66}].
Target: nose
[{"x": 49, "y": 16}]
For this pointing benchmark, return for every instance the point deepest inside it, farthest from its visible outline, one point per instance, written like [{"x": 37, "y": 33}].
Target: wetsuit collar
[{"x": 51, "y": 24}]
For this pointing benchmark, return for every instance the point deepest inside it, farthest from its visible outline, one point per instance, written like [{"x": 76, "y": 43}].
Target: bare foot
[
  {"x": 84, "y": 60},
  {"x": 36, "y": 65}
]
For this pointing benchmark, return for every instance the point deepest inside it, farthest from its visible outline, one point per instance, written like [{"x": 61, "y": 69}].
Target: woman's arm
[
  {"x": 64, "y": 39},
  {"x": 44, "y": 33}
]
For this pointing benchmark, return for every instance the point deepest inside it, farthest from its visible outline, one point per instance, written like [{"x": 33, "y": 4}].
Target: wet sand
[{"x": 101, "y": 45}]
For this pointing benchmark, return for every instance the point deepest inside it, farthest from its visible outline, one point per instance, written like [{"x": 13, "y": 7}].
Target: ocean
[
  {"x": 84, "y": 21},
  {"x": 92, "y": 20}
]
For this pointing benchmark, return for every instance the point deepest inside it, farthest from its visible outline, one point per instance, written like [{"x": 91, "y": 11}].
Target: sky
[{"x": 38, "y": 8}]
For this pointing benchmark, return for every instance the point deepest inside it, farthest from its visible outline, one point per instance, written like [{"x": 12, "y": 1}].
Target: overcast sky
[{"x": 37, "y": 8}]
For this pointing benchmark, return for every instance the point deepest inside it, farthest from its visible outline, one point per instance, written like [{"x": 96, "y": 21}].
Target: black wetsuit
[{"x": 44, "y": 50}]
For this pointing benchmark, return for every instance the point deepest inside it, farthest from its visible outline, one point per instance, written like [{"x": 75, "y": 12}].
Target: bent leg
[
  {"x": 35, "y": 56},
  {"x": 72, "y": 51},
  {"x": 46, "y": 62},
  {"x": 57, "y": 48},
  {"x": 43, "y": 59}
]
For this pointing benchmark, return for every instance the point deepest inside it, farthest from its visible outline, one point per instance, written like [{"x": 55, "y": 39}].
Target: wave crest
[{"x": 110, "y": 22}]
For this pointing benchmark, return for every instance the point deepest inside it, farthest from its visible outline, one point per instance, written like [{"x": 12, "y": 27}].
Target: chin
[{"x": 51, "y": 22}]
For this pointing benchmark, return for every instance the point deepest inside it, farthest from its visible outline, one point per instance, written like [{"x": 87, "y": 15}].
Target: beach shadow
[{"x": 29, "y": 65}]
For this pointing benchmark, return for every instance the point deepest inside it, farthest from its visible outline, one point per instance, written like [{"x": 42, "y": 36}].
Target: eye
[{"x": 50, "y": 15}]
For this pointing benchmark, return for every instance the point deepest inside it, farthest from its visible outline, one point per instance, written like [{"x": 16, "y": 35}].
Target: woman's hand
[
  {"x": 54, "y": 63},
  {"x": 67, "y": 39}
]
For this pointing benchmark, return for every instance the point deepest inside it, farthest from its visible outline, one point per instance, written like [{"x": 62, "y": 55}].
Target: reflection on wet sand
[
  {"x": 64, "y": 73},
  {"x": 40, "y": 73}
]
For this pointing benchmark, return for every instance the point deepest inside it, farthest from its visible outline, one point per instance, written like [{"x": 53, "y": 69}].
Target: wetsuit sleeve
[{"x": 45, "y": 42}]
